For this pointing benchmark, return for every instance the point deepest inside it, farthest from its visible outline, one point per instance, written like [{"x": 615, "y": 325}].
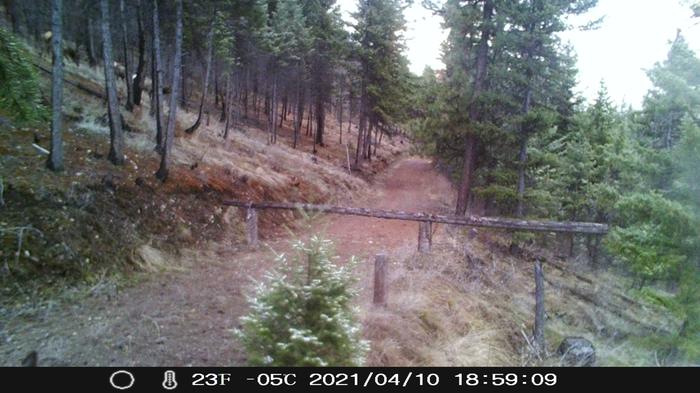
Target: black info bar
[{"x": 303, "y": 379}]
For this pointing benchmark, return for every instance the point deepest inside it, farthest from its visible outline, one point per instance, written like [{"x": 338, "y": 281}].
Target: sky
[{"x": 634, "y": 35}]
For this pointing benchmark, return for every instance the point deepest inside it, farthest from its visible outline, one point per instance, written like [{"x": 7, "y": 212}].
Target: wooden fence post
[
  {"x": 424, "y": 236},
  {"x": 251, "y": 225},
  {"x": 538, "y": 329},
  {"x": 380, "y": 279}
]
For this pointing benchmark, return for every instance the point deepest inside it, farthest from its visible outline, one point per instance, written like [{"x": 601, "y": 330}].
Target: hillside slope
[{"x": 93, "y": 219}]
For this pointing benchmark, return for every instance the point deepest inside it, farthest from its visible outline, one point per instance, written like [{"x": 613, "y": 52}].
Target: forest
[{"x": 129, "y": 126}]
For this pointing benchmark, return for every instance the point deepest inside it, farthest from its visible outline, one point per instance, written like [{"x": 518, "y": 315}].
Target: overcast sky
[{"x": 634, "y": 35}]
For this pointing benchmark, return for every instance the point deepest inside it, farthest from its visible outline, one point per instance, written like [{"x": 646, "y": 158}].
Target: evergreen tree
[
  {"x": 20, "y": 96},
  {"x": 383, "y": 70},
  {"x": 302, "y": 315},
  {"x": 675, "y": 95}
]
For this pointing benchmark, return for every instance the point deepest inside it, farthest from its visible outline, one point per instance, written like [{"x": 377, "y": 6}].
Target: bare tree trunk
[
  {"x": 116, "y": 149},
  {"x": 154, "y": 82},
  {"x": 350, "y": 101},
  {"x": 467, "y": 174},
  {"x": 320, "y": 118},
  {"x": 522, "y": 156},
  {"x": 299, "y": 118},
  {"x": 228, "y": 99},
  {"x": 11, "y": 12},
  {"x": 55, "y": 160},
  {"x": 210, "y": 39},
  {"x": 368, "y": 141},
  {"x": 361, "y": 128},
  {"x": 158, "y": 82},
  {"x": 522, "y": 162},
  {"x": 283, "y": 115},
  {"x": 340, "y": 114},
  {"x": 91, "y": 52},
  {"x": 162, "y": 173},
  {"x": 183, "y": 85},
  {"x": 272, "y": 108},
  {"x": 125, "y": 45},
  {"x": 471, "y": 141},
  {"x": 138, "y": 79}
]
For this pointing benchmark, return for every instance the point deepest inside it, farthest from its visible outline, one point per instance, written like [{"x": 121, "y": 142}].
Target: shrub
[{"x": 302, "y": 315}]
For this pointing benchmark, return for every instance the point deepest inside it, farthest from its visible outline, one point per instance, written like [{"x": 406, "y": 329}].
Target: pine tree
[
  {"x": 383, "y": 70},
  {"x": 676, "y": 94},
  {"x": 302, "y": 315}
]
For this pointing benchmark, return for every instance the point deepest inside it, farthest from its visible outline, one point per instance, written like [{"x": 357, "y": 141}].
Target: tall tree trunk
[
  {"x": 273, "y": 110},
  {"x": 368, "y": 141},
  {"x": 223, "y": 97},
  {"x": 340, "y": 114},
  {"x": 361, "y": 126},
  {"x": 246, "y": 93},
  {"x": 320, "y": 118},
  {"x": 229, "y": 100},
  {"x": 522, "y": 155},
  {"x": 116, "y": 153},
  {"x": 154, "y": 82},
  {"x": 92, "y": 53},
  {"x": 471, "y": 140},
  {"x": 299, "y": 118},
  {"x": 309, "y": 121},
  {"x": 522, "y": 164},
  {"x": 183, "y": 86},
  {"x": 55, "y": 160},
  {"x": 350, "y": 107},
  {"x": 158, "y": 82},
  {"x": 283, "y": 115},
  {"x": 162, "y": 173},
  {"x": 127, "y": 68},
  {"x": 138, "y": 79},
  {"x": 11, "y": 12},
  {"x": 89, "y": 42},
  {"x": 210, "y": 39}
]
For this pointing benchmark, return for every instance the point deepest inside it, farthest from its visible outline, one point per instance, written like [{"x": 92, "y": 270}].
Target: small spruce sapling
[{"x": 302, "y": 313}]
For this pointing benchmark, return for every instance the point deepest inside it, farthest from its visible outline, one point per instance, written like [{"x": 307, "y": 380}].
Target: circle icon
[{"x": 118, "y": 383}]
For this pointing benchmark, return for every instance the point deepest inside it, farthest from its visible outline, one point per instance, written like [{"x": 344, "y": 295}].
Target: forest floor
[{"x": 186, "y": 316}]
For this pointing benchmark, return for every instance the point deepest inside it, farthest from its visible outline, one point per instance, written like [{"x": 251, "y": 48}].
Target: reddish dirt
[
  {"x": 410, "y": 185},
  {"x": 182, "y": 318}
]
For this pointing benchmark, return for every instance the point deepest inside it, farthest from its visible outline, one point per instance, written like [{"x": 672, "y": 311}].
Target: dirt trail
[
  {"x": 411, "y": 184},
  {"x": 185, "y": 318}
]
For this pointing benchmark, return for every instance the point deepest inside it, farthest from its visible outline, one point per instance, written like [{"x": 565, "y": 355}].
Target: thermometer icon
[{"x": 169, "y": 382}]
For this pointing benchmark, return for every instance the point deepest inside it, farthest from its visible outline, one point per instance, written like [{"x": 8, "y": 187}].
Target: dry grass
[{"x": 474, "y": 306}]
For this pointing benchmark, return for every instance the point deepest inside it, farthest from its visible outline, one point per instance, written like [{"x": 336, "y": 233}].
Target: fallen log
[
  {"x": 473, "y": 221},
  {"x": 87, "y": 89}
]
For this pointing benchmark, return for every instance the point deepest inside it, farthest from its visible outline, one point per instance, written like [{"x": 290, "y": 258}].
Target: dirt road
[{"x": 183, "y": 318}]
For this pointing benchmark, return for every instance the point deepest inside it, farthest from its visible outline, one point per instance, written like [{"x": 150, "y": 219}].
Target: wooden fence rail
[{"x": 474, "y": 221}]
